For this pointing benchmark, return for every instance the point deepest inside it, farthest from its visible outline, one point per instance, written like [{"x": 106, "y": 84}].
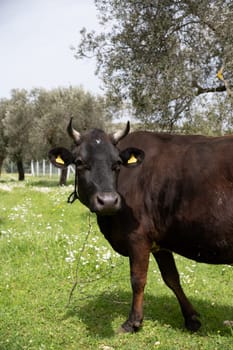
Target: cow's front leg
[{"x": 139, "y": 260}]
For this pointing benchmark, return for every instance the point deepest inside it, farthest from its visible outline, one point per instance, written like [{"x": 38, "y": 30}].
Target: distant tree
[
  {"x": 33, "y": 122},
  {"x": 161, "y": 55},
  {"x": 3, "y": 138},
  {"x": 52, "y": 111},
  {"x": 17, "y": 124}
]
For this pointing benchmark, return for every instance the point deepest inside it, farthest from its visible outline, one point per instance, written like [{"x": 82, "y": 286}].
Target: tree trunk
[
  {"x": 20, "y": 170},
  {"x": 63, "y": 176},
  {"x": 1, "y": 163}
]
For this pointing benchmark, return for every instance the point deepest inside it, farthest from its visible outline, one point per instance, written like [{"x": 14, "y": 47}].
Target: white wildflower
[{"x": 107, "y": 255}]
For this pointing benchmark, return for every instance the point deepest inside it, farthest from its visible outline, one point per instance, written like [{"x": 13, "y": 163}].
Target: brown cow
[{"x": 157, "y": 193}]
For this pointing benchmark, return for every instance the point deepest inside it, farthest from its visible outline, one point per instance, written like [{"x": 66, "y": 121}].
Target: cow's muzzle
[{"x": 106, "y": 203}]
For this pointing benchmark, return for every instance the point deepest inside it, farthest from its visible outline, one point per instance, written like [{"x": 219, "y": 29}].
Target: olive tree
[
  {"x": 52, "y": 111},
  {"x": 17, "y": 124},
  {"x": 160, "y": 55},
  {"x": 3, "y": 138}
]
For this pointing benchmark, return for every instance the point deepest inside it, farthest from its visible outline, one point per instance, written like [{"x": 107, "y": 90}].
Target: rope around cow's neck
[{"x": 74, "y": 195}]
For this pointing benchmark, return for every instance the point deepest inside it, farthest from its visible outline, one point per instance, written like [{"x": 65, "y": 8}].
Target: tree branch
[{"x": 201, "y": 90}]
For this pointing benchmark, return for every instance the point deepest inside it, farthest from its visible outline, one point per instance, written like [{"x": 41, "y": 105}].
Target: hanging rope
[
  {"x": 74, "y": 195},
  {"x": 76, "y": 280}
]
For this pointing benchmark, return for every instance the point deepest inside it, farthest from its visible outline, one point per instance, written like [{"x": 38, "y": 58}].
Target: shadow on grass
[
  {"x": 100, "y": 312},
  {"x": 37, "y": 182},
  {"x": 48, "y": 183},
  {"x": 44, "y": 183},
  {"x": 5, "y": 181}
]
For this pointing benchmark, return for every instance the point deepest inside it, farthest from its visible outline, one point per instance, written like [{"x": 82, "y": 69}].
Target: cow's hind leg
[{"x": 170, "y": 276}]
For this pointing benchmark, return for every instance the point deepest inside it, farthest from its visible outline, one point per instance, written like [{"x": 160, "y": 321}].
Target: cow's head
[{"x": 98, "y": 162}]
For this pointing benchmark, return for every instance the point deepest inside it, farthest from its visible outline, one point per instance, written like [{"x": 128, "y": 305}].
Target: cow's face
[{"x": 98, "y": 162}]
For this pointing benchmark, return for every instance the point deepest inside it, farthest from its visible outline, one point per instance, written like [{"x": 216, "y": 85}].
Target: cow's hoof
[
  {"x": 129, "y": 327},
  {"x": 192, "y": 323}
]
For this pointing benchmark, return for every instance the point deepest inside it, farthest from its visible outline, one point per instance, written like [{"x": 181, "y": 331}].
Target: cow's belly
[
  {"x": 203, "y": 246},
  {"x": 208, "y": 255},
  {"x": 202, "y": 229}
]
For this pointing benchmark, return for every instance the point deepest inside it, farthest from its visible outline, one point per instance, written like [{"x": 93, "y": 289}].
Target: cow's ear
[
  {"x": 132, "y": 157},
  {"x": 60, "y": 157}
]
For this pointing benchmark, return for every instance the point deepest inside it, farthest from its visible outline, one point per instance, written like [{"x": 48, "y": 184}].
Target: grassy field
[{"x": 48, "y": 247}]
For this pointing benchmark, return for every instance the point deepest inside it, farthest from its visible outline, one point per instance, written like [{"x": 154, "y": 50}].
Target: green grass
[{"x": 42, "y": 242}]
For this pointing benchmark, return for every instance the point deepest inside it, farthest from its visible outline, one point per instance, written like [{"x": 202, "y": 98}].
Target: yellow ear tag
[
  {"x": 220, "y": 74},
  {"x": 132, "y": 159},
  {"x": 59, "y": 160}
]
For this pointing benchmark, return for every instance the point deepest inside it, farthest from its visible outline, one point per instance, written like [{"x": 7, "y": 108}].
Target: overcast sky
[{"x": 35, "y": 40}]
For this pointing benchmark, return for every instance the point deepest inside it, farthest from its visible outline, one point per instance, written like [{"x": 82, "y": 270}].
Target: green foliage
[
  {"x": 3, "y": 138},
  {"x": 33, "y": 122},
  {"x": 209, "y": 117},
  {"x": 53, "y": 110},
  {"x": 161, "y": 54},
  {"x": 42, "y": 242},
  {"x": 17, "y": 125}
]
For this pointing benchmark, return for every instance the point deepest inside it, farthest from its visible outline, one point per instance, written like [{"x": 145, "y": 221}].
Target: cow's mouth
[{"x": 106, "y": 203}]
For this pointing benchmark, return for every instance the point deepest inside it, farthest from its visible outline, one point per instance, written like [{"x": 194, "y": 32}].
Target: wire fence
[{"x": 39, "y": 168}]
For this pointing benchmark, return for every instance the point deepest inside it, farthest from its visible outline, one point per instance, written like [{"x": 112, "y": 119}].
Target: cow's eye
[
  {"x": 81, "y": 165},
  {"x": 116, "y": 166},
  {"x": 79, "y": 162}
]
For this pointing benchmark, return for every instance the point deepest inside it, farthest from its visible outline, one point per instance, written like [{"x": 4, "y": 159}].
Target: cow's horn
[
  {"x": 117, "y": 136},
  {"x": 73, "y": 133}
]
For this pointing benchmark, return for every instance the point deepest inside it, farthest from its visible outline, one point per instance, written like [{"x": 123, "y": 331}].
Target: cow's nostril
[
  {"x": 106, "y": 202},
  {"x": 116, "y": 199},
  {"x": 100, "y": 200}
]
